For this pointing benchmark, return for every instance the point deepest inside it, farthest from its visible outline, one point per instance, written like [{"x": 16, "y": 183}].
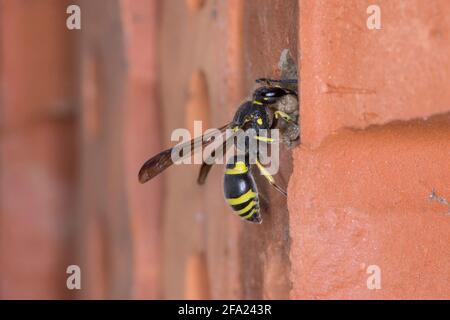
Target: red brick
[
  {"x": 375, "y": 127},
  {"x": 354, "y": 77},
  {"x": 231, "y": 44},
  {"x": 120, "y": 129},
  {"x": 37, "y": 144}
]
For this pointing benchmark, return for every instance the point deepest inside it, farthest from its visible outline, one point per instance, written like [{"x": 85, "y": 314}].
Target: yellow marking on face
[
  {"x": 265, "y": 172},
  {"x": 239, "y": 168},
  {"x": 250, "y": 214},
  {"x": 260, "y": 121},
  {"x": 235, "y": 129},
  {"x": 247, "y": 208},
  {"x": 263, "y": 139},
  {"x": 257, "y": 102},
  {"x": 241, "y": 199}
]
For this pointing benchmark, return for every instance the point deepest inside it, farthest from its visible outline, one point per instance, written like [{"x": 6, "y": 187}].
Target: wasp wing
[
  {"x": 163, "y": 160},
  {"x": 204, "y": 170},
  {"x": 207, "y": 165}
]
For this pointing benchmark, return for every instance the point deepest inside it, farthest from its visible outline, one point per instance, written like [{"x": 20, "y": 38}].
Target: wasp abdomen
[{"x": 240, "y": 191}]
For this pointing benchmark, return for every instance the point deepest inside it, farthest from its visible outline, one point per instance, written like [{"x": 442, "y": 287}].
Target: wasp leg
[
  {"x": 290, "y": 86},
  {"x": 270, "y": 178},
  {"x": 265, "y": 139},
  {"x": 283, "y": 115},
  {"x": 274, "y": 82}
]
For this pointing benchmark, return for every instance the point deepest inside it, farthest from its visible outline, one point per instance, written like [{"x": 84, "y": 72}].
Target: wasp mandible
[{"x": 262, "y": 111}]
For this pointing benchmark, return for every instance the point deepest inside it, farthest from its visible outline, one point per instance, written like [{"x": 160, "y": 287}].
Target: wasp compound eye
[
  {"x": 274, "y": 92},
  {"x": 269, "y": 94}
]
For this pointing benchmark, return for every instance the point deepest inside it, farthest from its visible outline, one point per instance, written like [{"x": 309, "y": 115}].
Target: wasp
[{"x": 261, "y": 111}]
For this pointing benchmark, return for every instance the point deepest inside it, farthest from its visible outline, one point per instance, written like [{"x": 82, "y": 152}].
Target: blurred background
[{"x": 81, "y": 110}]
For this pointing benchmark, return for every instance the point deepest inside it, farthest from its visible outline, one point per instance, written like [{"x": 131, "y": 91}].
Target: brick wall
[
  {"x": 37, "y": 149},
  {"x": 375, "y": 132},
  {"x": 78, "y": 115},
  {"x": 119, "y": 237},
  {"x": 81, "y": 110}
]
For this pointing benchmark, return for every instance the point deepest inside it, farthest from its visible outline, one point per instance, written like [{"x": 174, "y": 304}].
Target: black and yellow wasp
[{"x": 240, "y": 189}]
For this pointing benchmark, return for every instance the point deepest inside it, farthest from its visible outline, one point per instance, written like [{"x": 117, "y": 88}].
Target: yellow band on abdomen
[
  {"x": 244, "y": 198},
  {"x": 250, "y": 214},
  {"x": 247, "y": 208},
  {"x": 239, "y": 168}
]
